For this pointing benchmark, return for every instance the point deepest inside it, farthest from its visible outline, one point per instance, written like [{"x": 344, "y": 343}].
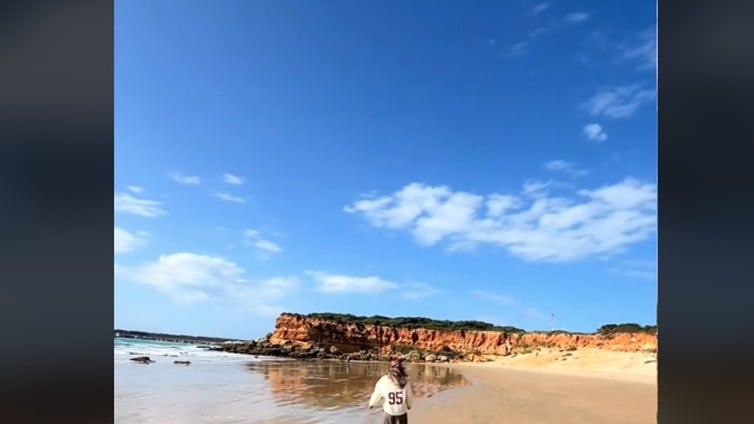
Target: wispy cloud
[
  {"x": 620, "y": 102},
  {"x": 577, "y": 17},
  {"x": 128, "y": 204},
  {"x": 539, "y": 8},
  {"x": 534, "y": 189},
  {"x": 190, "y": 277},
  {"x": 264, "y": 248},
  {"x": 594, "y": 132},
  {"x": 642, "y": 269},
  {"x": 418, "y": 291},
  {"x": 339, "y": 284},
  {"x": 566, "y": 167},
  {"x": 233, "y": 179},
  {"x": 135, "y": 189},
  {"x": 184, "y": 179},
  {"x": 536, "y": 32},
  {"x": 125, "y": 241},
  {"x": 230, "y": 198},
  {"x": 642, "y": 50},
  {"x": 518, "y": 49},
  {"x": 533, "y": 225},
  {"x": 522, "y": 48}
]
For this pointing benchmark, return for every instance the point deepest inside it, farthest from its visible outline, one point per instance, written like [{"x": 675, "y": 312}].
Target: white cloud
[
  {"x": 594, "y": 132},
  {"x": 539, "y": 8},
  {"x": 498, "y": 204},
  {"x": 135, "y": 189},
  {"x": 264, "y": 247},
  {"x": 187, "y": 277},
  {"x": 566, "y": 167},
  {"x": 125, "y": 203},
  {"x": 230, "y": 198},
  {"x": 233, "y": 179},
  {"x": 336, "y": 284},
  {"x": 533, "y": 225},
  {"x": 577, "y": 17},
  {"x": 190, "y": 277},
  {"x": 184, "y": 179},
  {"x": 418, "y": 290},
  {"x": 643, "y": 50},
  {"x": 620, "y": 102},
  {"x": 126, "y": 242}
]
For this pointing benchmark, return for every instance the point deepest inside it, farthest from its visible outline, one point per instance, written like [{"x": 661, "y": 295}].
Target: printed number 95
[{"x": 395, "y": 398}]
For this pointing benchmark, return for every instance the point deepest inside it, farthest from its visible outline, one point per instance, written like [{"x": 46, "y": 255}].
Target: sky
[{"x": 491, "y": 161}]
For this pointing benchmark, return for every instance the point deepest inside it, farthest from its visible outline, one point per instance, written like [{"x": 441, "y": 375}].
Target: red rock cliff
[{"x": 353, "y": 337}]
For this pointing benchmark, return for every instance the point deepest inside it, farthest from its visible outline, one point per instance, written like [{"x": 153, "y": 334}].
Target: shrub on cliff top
[
  {"x": 609, "y": 329},
  {"x": 411, "y": 322}
]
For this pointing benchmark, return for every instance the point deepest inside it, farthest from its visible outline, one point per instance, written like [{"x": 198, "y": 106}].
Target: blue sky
[{"x": 456, "y": 160}]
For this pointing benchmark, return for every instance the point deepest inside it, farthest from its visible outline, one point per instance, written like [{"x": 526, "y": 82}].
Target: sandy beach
[
  {"x": 590, "y": 386},
  {"x": 547, "y": 386}
]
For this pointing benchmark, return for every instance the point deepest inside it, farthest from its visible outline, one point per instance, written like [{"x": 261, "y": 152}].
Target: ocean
[{"x": 219, "y": 387}]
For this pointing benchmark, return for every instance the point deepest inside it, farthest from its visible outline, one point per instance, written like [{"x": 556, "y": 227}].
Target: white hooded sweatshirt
[{"x": 396, "y": 401}]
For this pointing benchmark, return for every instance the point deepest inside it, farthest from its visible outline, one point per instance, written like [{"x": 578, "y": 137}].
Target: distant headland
[{"x": 172, "y": 338}]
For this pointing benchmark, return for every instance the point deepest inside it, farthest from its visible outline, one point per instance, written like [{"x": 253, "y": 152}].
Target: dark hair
[{"x": 397, "y": 372}]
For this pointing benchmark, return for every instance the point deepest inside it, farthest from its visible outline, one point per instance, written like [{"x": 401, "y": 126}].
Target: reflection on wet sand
[{"x": 337, "y": 385}]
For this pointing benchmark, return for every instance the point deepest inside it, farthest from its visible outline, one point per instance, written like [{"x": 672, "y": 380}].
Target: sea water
[{"x": 220, "y": 387}]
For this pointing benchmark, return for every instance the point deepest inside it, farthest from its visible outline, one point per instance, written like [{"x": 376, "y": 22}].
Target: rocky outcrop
[{"x": 298, "y": 336}]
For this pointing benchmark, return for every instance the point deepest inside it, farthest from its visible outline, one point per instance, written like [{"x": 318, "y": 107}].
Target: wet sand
[{"x": 588, "y": 391}]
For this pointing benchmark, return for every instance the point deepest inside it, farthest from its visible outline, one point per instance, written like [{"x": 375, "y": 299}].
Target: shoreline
[{"x": 637, "y": 367}]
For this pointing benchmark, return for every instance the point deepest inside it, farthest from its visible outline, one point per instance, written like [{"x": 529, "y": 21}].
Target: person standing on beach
[{"x": 394, "y": 391}]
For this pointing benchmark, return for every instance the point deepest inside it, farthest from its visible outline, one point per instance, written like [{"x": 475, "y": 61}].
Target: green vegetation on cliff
[
  {"x": 608, "y": 329},
  {"x": 444, "y": 325},
  {"x": 180, "y": 338},
  {"x": 411, "y": 322}
]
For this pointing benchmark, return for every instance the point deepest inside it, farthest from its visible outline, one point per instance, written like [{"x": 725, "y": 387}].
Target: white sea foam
[{"x": 125, "y": 349}]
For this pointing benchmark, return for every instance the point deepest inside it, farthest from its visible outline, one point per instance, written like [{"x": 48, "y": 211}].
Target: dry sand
[{"x": 588, "y": 387}]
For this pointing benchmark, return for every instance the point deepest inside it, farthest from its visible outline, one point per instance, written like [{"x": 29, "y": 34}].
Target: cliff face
[{"x": 354, "y": 337}]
